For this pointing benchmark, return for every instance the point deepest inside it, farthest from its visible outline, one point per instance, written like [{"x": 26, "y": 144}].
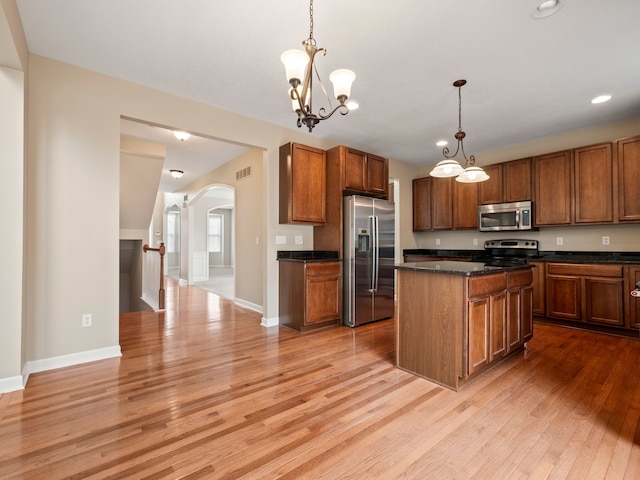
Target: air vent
[{"x": 244, "y": 173}]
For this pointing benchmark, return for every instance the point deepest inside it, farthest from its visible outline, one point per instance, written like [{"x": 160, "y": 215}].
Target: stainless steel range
[{"x": 501, "y": 253}]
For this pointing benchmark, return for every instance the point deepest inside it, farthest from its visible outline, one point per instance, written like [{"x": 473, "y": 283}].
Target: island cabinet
[
  {"x": 590, "y": 293},
  {"x": 302, "y": 185},
  {"x": 454, "y": 319},
  {"x": 310, "y": 294}
]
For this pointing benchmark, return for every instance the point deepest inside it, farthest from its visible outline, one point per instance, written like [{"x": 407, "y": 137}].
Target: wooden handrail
[{"x": 161, "y": 250}]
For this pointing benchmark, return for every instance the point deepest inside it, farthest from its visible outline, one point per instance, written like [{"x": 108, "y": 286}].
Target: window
[{"x": 214, "y": 232}]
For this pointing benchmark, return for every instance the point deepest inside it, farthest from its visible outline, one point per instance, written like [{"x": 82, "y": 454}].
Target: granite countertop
[
  {"x": 307, "y": 256},
  {"x": 457, "y": 268},
  {"x": 544, "y": 256}
]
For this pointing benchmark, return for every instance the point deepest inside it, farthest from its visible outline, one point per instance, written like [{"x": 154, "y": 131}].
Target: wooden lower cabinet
[
  {"x": 310, "y": 294},
  {"x": 632, "y": 304},
  {"x": 539, "y": 274},
  {"x": 588, "y": 293}
]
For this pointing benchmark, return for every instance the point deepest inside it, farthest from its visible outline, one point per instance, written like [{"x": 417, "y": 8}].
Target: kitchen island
[{"x": 454, "y": 319}]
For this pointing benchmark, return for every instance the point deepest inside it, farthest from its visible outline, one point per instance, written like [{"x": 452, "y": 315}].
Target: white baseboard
[
  {"x": 11, "y": 384},
  {"x": 52, "y": 363},
  {"x": 270, "y": 322},
  {"x": 249, "y": 305}
]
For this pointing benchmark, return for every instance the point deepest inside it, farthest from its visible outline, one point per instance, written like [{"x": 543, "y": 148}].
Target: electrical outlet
[
  {"x": 86, "y": 319},
  {"x": 437, "y": 241},
  {"x": 475, "y": 242},
  {"x": 281, "y": 239},
  {"x": 559, "y": 241},
  {"x": 605, "y": 240},
  {"x": 298, "y": 239}
]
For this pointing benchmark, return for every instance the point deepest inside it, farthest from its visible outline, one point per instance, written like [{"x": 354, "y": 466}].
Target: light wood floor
[{"x": 203, "y": 391}]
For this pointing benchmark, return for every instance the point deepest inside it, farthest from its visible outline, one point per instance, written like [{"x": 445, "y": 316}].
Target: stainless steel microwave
[{"x": 505, "y": 216}]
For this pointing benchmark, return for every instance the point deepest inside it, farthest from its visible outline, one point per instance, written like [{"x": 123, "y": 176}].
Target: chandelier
[
  {"x": 449, "y": 167},
  {"x": 300, "y": 66}
]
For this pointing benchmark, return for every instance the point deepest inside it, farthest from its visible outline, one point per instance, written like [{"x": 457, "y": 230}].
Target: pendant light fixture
[
  {"x": 300, "y": 66},
  {"x": 449, "y": 167}
]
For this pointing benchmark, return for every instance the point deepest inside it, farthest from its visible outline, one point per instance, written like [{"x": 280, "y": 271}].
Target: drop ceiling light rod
[
  {"x": 450, "y": 167},
  {"x": 300, "y": 66}
]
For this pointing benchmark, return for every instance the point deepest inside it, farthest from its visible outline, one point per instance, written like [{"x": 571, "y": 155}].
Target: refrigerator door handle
[
  {"x": 371, "y": 255},
  {"x": 376, "y": 253}
]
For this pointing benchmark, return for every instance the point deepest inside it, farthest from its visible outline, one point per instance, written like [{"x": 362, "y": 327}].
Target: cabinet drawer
[
  {"x": 588, "y": 270},
  {"x": 323, "y": 268},
  {"x": 520, "y": 278},
  {"x": 486, "y": 284}
]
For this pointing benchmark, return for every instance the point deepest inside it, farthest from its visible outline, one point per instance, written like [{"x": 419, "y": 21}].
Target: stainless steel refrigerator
[{"x": 369, "y": 285}]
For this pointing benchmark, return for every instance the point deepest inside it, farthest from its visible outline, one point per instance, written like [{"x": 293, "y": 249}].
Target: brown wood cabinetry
[
  {"x": 517, "y": 180},
  {"x": 628, "y": 168},
  {"x": 302, "y": 185},
  {"x": 465, "y": 206},
  {"x": 594, "y": 172},
  {"x": 552, "y": 179},
  {"x": 632, "y": 304},
  {"x": 450, "y": 327},
  {"x": 538, "y": 272},
  {"x": 365, "y": 173},
  {"x": 341, "y": 160},
  {"x": 422, "y": 204},
  {"x": 442, "y": 203},
  {"x": 491, "y": 191},
  {"x": 310, "y": 294},
  {"x": 586, "y": 293}
]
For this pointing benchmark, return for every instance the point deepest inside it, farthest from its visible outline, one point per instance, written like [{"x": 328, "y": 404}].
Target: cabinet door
[
  {"x": 465, "y": 208},
  {"x": 323, "y": 293},
  {"x": 593, "y": 184},
  {"x": 632, "y": 304},
  {"x": 514, "y": 311},
  {"x": 563, "y": 296},
  {"x": 442, "y": 210},
  {"x": 377, "y": 175},
  {"x": 538, "y": 288},
  {"x": 490, "y": 191},
  {"x": 552, "y": 188},
  {"x": 603, "y": 300},
  {"x": 497, "y": 326},
  {"x": 517, "y": 181},
  {"x": 478, "y": 354},
  {"x": 527, "y": 314},
  {"x": 355, "y": 170},
  {"x": 422, "y": 204},
  {"x": 628, "y": 168},
  {"x": 302, "y": 185}
]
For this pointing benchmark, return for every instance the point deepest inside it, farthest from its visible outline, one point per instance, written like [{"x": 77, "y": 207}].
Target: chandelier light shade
[
  {"x": 450, "y": 167},
  {"x": 180, "y": 135},
  {"x": 176, "y": 173},
  {"x": 299, "y": 67}
]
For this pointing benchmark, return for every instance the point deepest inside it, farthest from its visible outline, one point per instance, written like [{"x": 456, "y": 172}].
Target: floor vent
[{"x": 244, "y": 173}]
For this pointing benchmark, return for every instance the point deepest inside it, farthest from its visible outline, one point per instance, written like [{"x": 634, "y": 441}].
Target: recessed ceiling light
[
  {"x": 547, "y": 8},
  {"x": 601, "y": 99},
  {"x": 441, "y": 143}
]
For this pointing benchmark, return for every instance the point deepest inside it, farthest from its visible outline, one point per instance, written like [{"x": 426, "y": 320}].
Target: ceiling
[{"x": 527, "y": 78}]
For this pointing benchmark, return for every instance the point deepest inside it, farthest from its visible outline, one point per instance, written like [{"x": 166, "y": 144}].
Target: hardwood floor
[{"x": 203, "y": 391}]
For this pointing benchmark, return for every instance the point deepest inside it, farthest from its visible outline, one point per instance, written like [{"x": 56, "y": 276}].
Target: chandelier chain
[{"x": 311, "y": 40}]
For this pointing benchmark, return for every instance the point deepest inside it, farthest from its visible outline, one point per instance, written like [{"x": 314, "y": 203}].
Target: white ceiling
[{"x": 527, "y": 78}]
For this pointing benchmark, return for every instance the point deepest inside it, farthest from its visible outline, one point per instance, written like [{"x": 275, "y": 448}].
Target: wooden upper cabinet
[
  {"x": 465, "y": 207},
  {"x": 517, "y": 181},
  {"x": 442, "y": 203},
  {"x": 302, "y": 185},
  {"x": 490, "y": 191},
  {"x": 365, "y": 173},
  {"x": 628, "y": 168},
  {"x": 552, "y": 179},
  {"x": 422, "y": 204},
  {"x": 593, "y": 176}
]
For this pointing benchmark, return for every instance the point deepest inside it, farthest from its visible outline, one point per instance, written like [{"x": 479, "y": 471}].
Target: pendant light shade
[
  {"x": 472, "y": 175},
  {"x": 447, "y": 168}
]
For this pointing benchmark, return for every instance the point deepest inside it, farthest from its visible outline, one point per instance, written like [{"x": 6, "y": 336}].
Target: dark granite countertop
[
  {"x": 457, "y": 268},
  {"x": 544, "y": 256},
  {"x": 307, "y": 256}
]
